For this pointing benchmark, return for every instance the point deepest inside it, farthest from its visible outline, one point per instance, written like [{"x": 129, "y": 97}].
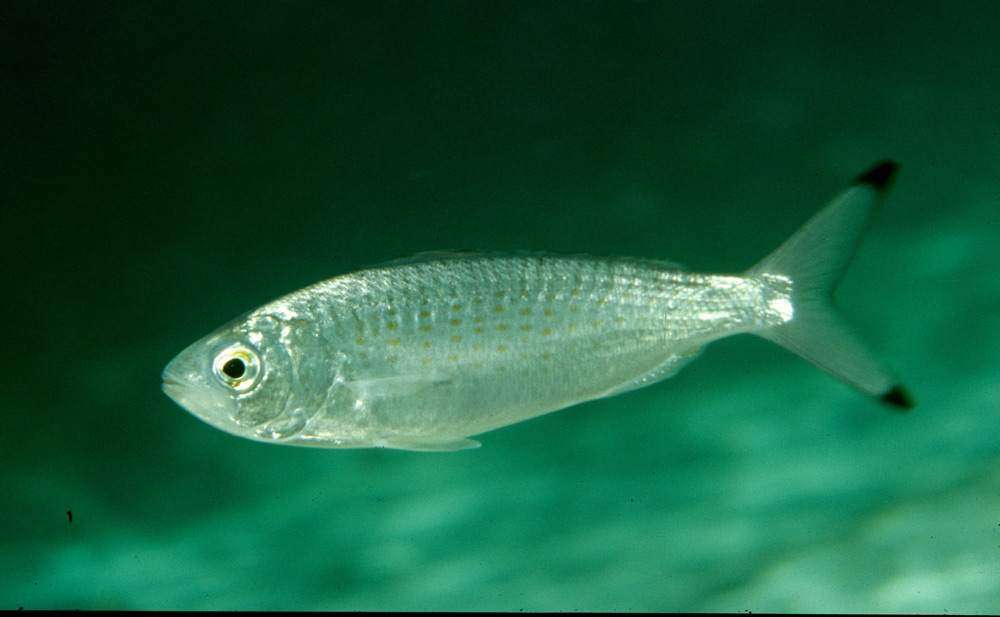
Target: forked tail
[{"x": 814, "y": 259}]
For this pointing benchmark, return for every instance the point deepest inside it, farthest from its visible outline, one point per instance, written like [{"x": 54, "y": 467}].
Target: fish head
[{"x": 247, "y": 378}]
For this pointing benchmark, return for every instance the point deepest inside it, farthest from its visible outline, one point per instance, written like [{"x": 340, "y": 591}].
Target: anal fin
[{"x": 665, "y": 370}]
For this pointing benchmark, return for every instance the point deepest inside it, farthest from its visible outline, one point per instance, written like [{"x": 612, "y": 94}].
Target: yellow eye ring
[{"x": 237, "y": 367}]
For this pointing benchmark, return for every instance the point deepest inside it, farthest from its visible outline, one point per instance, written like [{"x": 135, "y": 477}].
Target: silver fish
[{"x": 420, "y": 354}]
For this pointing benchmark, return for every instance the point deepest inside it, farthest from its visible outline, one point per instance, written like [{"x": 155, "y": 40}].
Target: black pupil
[{"x": 234, "y": 368}]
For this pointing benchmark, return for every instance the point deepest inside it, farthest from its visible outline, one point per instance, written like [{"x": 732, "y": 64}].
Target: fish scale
[{"x": 465, "y": 309}]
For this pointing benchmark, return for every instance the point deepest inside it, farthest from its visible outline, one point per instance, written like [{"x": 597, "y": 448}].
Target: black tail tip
[
  {"x": 899, "y": 398},
  {"x": 879, "y": 175}
]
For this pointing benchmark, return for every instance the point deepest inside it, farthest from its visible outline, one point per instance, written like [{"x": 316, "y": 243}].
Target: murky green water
[{"x": 169, "y": 165}]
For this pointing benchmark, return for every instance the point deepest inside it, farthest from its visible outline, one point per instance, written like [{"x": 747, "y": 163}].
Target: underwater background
[{"x": 169, "y": 165}]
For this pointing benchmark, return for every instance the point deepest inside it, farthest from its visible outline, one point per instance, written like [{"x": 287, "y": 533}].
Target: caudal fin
[{"x": 814, "y": 260}]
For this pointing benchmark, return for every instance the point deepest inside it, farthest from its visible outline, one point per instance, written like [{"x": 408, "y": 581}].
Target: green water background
[{"x": 168, "y": 165}]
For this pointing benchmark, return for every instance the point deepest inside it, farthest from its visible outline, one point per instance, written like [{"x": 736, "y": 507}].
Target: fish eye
[
  {"x": 237, "y": 367},
  {"x": 234, "y": 368}
]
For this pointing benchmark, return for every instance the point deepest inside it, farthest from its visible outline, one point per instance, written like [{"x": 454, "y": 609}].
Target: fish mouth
[
  {"x": 197, "y": 398},
  {"x": 171, "y": 384},
  {"x": 181, "y": 392},
  {"x": 176, "y": 387}
]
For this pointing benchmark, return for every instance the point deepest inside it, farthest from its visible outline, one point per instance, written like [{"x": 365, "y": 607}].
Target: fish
[{"x": 426, "y": 352}]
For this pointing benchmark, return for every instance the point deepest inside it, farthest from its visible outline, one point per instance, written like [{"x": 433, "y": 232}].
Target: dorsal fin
[{"x": 460, "y": 255}]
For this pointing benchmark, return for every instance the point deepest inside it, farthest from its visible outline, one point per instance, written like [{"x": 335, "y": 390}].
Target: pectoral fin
[{"x": 375, "y": 388}]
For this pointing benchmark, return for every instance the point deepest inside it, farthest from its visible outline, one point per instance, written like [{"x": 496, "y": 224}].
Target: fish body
[{"x": 423, "y": 353}]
